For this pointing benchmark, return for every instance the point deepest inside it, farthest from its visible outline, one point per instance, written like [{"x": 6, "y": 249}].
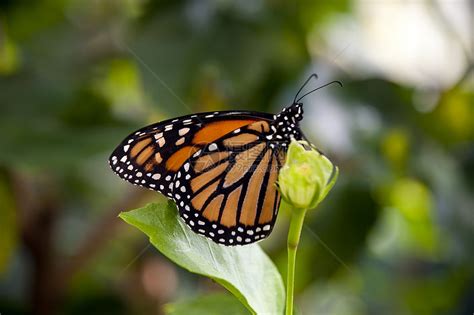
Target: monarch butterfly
[{"x": 220, "y": 168}]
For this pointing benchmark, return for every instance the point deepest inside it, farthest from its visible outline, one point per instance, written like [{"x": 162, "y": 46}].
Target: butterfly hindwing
[{"x": 227, "y": 190}]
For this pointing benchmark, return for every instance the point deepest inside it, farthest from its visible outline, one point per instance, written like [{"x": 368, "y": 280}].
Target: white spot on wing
[
  {"x": 212, "y": 147},
  {"x": 161, "y": 142},
  {"x": 183, "y": 131}
]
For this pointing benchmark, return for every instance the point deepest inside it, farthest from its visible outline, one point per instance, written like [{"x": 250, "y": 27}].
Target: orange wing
[{"x": 227, "y": 191}]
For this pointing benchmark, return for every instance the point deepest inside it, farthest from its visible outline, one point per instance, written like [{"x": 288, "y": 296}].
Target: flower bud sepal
[{"x": 307, "y": 176}]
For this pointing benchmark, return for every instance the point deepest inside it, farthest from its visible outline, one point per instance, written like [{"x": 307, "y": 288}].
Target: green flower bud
[{"x": 307, "y": 176}]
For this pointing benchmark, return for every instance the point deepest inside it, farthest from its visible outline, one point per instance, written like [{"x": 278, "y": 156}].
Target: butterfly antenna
[
  {"x": 299, "y": 99},
  {"x": 314, "y": 75}
]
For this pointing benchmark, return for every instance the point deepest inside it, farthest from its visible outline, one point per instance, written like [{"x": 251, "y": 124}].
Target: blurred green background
[{"x": 395, "y": 236}]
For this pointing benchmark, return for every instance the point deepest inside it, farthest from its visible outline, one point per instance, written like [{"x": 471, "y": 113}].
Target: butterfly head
[
  {"x": 286, "y": 124},
  {"x": 295, "y": 112}
]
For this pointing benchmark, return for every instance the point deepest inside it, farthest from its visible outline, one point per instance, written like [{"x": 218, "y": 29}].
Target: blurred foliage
[
  {"x": 395, "y": 236},
  {"x": 452, "y": 121},
  {"x": 8, "y": 218}
]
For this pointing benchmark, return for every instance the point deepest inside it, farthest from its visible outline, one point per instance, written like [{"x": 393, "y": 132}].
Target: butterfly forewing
[{"x": 151, "y": 156}]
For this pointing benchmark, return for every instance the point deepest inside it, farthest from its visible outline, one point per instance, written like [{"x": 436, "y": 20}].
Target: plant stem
[{"x": 296, "y": 225}]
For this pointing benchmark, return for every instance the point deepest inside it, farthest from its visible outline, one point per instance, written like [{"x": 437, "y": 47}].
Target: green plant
[
  {"x": 247, "y": 272},
  {"x": 304, "y": 182}
]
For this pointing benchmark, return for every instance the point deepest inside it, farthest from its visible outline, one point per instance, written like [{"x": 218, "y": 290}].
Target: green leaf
[
  {"x": 245, "y": 271},
  {"x": 213, "y": 304}
]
